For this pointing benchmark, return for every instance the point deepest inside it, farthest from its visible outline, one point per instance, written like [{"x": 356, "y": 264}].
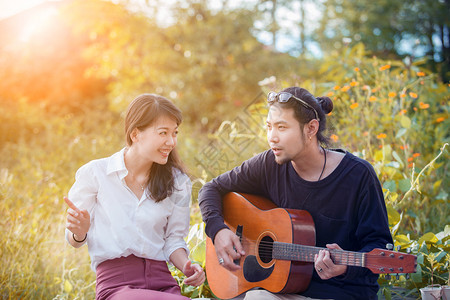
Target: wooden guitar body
[{"x": 246, "y": 215}]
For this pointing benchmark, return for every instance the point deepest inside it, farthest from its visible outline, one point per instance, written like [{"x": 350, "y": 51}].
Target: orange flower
[
  {"x": 402, "y": 95},
  {"x": 392, "y": 94},
  {"x": 354, "y": 83},
  {"x": 403, "y": 147},
  {"x": 374, "y": 90},
  {"x": 413, "y": 95},
  {"x": 416, "y": 154},
  {"x": 415, "y": 108},
  {"x": 424, "y": 105},
  {"x": 381, "y": 136},
  {"x": 366, "y": 87},
  {"x": 354, "y": 105},
  {"x": 365, "y": 133},
  {"x": 420, "y": 74},
  {"x": 372, "y": 99},
  {"x": 356, "y": 69},
  {"x": 439, "y": 120},
  {"x": 336, "y": 88},
  {"x": 330, "y": 94},
  {"x": 334, "y": 137},
  {"x": 411, "y": 165},
  {"x": 410, "y": 159},
  {"x": 385, "y": 67},
  {"x": 345, "y": 88},
  {"x": 402, "y": 112}
]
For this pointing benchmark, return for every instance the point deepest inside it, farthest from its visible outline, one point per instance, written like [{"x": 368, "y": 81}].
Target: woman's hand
[
  {"x": 78, "y": 221},
  {"x": 325, "y": 266},
  {"x": 194, "y": 274}
]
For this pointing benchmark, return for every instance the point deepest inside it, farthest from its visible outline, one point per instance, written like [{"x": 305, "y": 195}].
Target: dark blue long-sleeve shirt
[{"x": 347, "y": 208}]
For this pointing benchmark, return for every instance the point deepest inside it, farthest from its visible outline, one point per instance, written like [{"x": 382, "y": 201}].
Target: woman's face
[{"x": 154, "y": 143}]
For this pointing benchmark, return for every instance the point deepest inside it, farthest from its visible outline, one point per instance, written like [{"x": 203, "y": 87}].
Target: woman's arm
[
  {"x": 78, "y": 223},
  {"x": 194, "y": 272}
]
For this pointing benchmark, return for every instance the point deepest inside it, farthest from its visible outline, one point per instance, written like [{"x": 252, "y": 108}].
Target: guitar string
[{"x": 342, "y": 254}]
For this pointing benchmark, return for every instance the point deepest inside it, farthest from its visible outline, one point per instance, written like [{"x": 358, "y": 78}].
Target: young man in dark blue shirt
[{"x": 340, "y": 191}]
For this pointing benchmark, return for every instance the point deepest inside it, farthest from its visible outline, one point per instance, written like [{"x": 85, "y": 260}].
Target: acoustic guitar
[{"x": 279, "y": 247}]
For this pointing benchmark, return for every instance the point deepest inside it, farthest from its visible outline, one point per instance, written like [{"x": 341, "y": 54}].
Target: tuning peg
[
  {"x": 397, "y": 276},
  {"x": 387, "y": 276},
  {"x": 407, "y": 276},
  {"x": 399, "y": 247},
  {"x": 389, "y": 246},
  {"x": 408, "y": 250}
]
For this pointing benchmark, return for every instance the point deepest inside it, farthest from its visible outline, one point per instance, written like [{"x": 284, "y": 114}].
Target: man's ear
[{"x": 311, "y": 128}]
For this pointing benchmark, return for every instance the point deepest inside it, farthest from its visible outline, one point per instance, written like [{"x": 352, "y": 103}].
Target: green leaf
[
  {"x": 404, "y": 185},
  {"x": 417, "y": 277},
  {"x": 428, "y": 237},
  {"x": 400, "y": 133},
  {"x": 405, "y": 122},
  {"x": 398, "y": 158},
  {"x": 390, "y": 185}
]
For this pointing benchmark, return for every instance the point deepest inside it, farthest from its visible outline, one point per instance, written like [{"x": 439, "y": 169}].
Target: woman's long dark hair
[{"x": 143, "y": 112}]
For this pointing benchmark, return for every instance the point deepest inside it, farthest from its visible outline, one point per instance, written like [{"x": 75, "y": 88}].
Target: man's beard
[{"x": 281, "y": 160}]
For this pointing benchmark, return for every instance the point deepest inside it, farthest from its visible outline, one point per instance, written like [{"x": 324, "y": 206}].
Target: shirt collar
[{"x": 116, "y": 163}]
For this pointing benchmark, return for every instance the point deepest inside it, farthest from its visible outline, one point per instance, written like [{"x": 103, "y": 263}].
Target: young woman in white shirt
[{"x": 132, "y": 209}]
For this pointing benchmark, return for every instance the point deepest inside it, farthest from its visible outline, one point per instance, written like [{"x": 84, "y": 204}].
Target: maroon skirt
[{"x": 136, "y": 278}]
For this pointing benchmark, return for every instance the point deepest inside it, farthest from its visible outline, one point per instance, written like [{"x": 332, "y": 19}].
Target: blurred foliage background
[{"x": 68, "y": 70}]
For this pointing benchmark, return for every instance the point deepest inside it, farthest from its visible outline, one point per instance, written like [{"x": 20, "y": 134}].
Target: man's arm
[{"x": 248, "y": 178}]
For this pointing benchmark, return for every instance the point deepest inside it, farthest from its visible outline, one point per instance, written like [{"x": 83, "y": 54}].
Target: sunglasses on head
[{"x": 283, "y": 97}]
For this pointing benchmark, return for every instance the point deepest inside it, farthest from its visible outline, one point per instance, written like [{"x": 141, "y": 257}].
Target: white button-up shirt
[{"x": 122, "y": 224}]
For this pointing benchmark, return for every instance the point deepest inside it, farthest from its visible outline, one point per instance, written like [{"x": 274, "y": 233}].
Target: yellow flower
[
  {"x": 345, "y": 88},
  {"x": 413, "y": 95},
  {"x": 334, "y": 137},
  {"x": 372, "y": 99},
  {"x": 424, "y": 105},
  {"x": 420, "y": 74},
  {"x": 392, "y": 94},
  {"x": 439, "y": 120},
  {"x": 354, "y": 105},
  {"x": 354, "y": 83},
  {"x": 385, "y": 67},
  {"x": 381, "y": 136}
]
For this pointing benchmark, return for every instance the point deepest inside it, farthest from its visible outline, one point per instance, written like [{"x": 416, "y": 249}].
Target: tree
[{"x": 390, "y": 28}]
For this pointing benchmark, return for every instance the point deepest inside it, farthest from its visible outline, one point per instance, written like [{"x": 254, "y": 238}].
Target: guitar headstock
[{"x": 381, "y": 261}]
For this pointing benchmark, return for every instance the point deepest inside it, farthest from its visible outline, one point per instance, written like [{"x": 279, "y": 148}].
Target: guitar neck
[{"x": 294, "y": 252}]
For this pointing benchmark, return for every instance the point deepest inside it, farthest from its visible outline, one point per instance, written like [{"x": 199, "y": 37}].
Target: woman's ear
[{"x": 134, "y": 135}]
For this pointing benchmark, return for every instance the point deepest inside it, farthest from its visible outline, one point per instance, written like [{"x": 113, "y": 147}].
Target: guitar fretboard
[{"x": 295, "y": 252}]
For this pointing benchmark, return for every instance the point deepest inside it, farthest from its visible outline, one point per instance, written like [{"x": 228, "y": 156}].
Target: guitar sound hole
[{"x": 265, "y": 249}]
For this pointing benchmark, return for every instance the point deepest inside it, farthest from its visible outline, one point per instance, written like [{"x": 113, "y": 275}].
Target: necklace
[
  {"x": 134, "y": 178},
  {"x": 324, "y": 162}
]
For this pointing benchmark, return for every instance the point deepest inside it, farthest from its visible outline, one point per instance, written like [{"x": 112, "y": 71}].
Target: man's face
[{"x": 284, "y": 134}]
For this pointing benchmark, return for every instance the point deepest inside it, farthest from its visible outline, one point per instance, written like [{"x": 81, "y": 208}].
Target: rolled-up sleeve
[
  {"x": 178, "y": 222},
  {"x": 84, "y": 191}
]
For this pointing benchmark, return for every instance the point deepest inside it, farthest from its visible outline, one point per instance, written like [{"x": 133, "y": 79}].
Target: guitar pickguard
[{"x": 252, "y": 270}]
